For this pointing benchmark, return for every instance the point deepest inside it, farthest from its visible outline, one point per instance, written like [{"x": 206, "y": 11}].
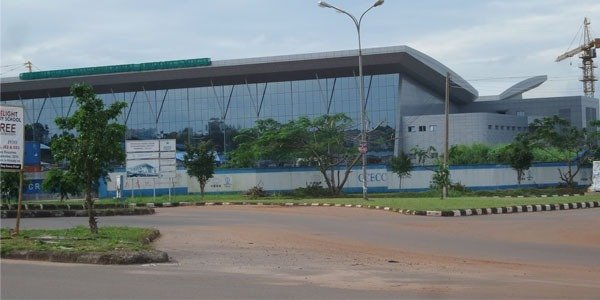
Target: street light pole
[{"x": 363, "y": 117}]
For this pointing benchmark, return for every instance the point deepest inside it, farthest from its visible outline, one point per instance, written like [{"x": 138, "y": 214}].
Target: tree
[
  {"x": 576, "y": 146},
  {"x": 325, "y": 142},
  {"x": 96, "y": 144},
  {"x": 401, "y": 165},
  {"x": 61, "y": 182},
  {"x": 423, "y": 155},
  {"x": 200, "y": 163},
  {"x": 9, "y": 185},
  {"x": 440, "y": 178},
  {"x": 261, "y": 142},
  {"x": 470, "y": 154},
  {"x": 519, "y": 156}
]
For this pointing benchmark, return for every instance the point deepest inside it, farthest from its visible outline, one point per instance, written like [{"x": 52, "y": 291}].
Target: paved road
[{"x": 319, "y": 252}]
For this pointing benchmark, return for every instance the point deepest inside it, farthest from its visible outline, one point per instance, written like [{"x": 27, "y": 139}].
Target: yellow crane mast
[{"x": 588, "y": 53}]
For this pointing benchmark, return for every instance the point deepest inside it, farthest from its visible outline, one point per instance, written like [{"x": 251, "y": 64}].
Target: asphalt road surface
[{"x": 254, "y": 252}]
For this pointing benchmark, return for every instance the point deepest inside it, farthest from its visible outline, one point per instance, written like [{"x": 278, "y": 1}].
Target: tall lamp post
[{"x": 363, "y": 133}]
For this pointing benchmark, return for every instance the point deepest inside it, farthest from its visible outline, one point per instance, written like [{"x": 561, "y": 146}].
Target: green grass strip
[{"x": 77, "y": 240}]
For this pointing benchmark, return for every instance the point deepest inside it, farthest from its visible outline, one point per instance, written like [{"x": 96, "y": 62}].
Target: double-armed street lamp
[{"x": 363, "y": 133}]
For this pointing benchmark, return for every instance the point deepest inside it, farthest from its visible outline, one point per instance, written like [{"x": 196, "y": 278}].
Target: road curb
[
  {"x": 502, "y": 210},
  {"x": 438, "y": 213},
  {"x": 148, "y": 208}
]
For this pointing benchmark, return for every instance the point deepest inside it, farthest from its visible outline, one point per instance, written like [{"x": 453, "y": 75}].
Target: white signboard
[
  {"x": 167, "y": 145},
  {"x": 141, "y": 146},
  {"x": 170, "y": 154},
  {"x": 595, "y": 177},
  {"x": 151, "y": 158},
  {"x": 12, "y": 143},
  {"x": 142, "y": 168},
  {"x": 164, "y": 169},
  {"x": 142, "y": 155}
]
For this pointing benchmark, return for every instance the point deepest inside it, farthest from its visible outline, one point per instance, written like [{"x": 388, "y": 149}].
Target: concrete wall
[
  {"x": 539, "y": 107},
  {"x": 378, "y": 177},
  {"x": 465, "y": 129}
]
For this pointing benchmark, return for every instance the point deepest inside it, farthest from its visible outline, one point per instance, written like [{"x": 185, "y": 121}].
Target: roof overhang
[{"x": 400, "y": 59}]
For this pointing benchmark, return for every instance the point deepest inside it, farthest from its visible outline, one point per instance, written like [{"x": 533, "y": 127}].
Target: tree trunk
[
  {"x": 569, "y": 176},
  {"x": 327, "y": 181},
  {"x": 89, "y": 203},
  {"x": 202, "y": 185}
]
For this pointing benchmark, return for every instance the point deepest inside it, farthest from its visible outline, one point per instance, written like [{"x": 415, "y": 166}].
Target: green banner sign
[{"x": 149, "y": 66}]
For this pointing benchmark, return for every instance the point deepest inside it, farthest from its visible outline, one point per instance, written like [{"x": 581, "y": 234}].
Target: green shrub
[
  {"x": 256, "y": 192},
  {"x": 312, "y": 190}
]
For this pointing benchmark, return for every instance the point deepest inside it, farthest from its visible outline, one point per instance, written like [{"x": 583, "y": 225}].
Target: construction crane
[{"x": 588, "y": 53}]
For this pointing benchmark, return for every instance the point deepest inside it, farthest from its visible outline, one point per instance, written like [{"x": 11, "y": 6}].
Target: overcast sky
[{"x": 492, "y": 44}]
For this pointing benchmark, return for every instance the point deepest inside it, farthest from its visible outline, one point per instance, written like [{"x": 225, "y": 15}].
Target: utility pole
[
  {"x": 446, "y": 131},
  {"x": 363, "y": 147}
]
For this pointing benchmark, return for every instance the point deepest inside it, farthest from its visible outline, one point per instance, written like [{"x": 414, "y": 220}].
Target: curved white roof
[{"x": 518, "y": 89}]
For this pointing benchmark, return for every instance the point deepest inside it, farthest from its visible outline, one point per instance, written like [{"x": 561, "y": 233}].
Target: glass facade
[{"x": 152, "y": 113}]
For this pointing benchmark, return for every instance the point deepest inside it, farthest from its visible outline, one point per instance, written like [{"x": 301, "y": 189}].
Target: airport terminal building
[{"x": 404, "y": 88}]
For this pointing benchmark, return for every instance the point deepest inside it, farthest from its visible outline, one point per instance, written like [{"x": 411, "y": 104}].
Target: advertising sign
[
  {"x": 142, "y": 168},
  {"x": 141, "y": 146},
  {"x": 11, "y": 137},
  {"x": 151, "y": 158},
  {"x": 167, "y": 145},
  {"x": 595, "y": 177},
  {"x": 142, "y": 155}
]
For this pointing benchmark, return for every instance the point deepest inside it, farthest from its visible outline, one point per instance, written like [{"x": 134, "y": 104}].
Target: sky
[{"x": 491, "y": 44}]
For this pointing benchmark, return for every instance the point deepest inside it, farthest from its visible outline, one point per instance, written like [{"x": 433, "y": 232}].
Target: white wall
[{"x": 379, "y": 179}]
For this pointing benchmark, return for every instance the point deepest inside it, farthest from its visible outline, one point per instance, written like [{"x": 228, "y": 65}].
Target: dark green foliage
[
  {"x": 312, "y": 190},
  {"x": 78, "y": 240},
  {"x": 95, "y": 144},
  {"x": 200, "y": 163},
  {"x": 485, "y": 154},
  {"x": 519, "y": 156},
  {"x": 61, "y": 182},
  {"x": 401, "y": 165},
  {"x": 459, "y": 187},
  {"x": 577, "y": 146},
  {"x": 324, "y": 142},
  {"x": 256, "y": 192},
  {"x": 267, "y": 140},
  {"x": 9, "y": 186},
  {"x": 423, "y": 156},
  {"x": 440, "y": 178},
  {"x": 470, "y": 154}
]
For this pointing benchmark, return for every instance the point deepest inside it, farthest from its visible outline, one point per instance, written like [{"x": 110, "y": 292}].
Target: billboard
[
  {"x": 150, "y": 158},
  {"x": 11, "y": 137}
]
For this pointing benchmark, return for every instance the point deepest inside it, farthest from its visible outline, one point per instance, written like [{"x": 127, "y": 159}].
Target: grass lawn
[
  {"x": 420, "y": 203},
  {"x": 77, "y": 240},
  {"x": 411, "y": 203}
]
